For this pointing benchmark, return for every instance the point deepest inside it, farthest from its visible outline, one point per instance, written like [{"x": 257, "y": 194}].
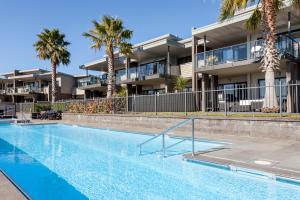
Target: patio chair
[{"x": 256, "y": 106}]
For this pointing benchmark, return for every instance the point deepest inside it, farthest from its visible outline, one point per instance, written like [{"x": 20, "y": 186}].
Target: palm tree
[
  {"x": 110, "y": 33},
  {"x": 51, "y": 45},
  {"x": 180, "y": 83},
  {"x": 263, "y": 16}
]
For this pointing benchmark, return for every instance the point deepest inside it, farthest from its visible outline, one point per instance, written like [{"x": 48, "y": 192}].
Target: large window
[
  {"x": 234, "y": 91},
  {"x": 152, "y": 68},
  {"x": 153, "y": 91},
  {"x": 120, "y": 75},
  {"x": 262, "y": 87}
]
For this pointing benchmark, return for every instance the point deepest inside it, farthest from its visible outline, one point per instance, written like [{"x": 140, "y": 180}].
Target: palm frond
[
  {"x": 126, "y": 49},
  {"x": 51, "y": 45},
  {"x": 254, "y": 21}
]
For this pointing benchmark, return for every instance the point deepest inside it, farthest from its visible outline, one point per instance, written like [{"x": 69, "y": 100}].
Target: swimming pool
[{"x": 72, "y": 162}]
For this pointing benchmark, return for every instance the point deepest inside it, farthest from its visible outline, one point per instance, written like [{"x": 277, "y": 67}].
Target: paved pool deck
[{"x": 8, "y": 191}]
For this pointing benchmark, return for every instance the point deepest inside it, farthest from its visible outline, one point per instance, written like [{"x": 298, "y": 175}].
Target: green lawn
[{"x": 216, "y": 114}]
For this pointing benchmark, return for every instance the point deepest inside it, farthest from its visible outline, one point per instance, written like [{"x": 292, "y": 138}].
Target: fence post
[
  {"x": 134, "y": 104},
  {"x": 225, "y": 107},
  {"x": 185, "y": 102},
  {"x": 193, "y": 137},
  {"x": 280, "y": 98},
  {"x": 155, "y": 103}
]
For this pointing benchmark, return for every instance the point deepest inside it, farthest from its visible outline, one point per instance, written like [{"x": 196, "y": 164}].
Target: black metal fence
[
  {"x": 282, "y": 98},
  {"x": 7, "y": 110}
]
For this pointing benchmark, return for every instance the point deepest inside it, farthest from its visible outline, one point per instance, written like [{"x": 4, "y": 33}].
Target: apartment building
[
  {"x": 34, "y": 85},
  {"x": 229, "y": 56},
  {"x": 151, "y": 69}
]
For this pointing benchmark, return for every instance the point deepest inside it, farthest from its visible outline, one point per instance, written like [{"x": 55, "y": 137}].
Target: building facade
[
  {"x": 34, "y": 85},
  {"x": 151, "y": 69},
  {"x": 226, "y": 55}
]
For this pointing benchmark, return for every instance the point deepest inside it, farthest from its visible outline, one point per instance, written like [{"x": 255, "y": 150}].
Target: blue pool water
[{"x": 71, "y": 162}]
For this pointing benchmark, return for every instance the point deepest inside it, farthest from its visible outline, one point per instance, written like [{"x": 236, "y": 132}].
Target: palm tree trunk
[
  {"x": 110, "y": 77},
  {"x": 270, "y": 59},
  {"x": 53, "y": 77}
]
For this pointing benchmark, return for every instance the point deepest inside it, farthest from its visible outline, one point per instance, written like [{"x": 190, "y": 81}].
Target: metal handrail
[{"x": 163, "y": 133}]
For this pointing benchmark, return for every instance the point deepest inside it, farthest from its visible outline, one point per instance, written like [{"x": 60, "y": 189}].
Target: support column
[
  {"x": 194, "y": 64},
  {"x": 129, "y": 91},
  {"x": 205, "y": 85},
  {"x": 214, "y": 94},
  {"x": 248, "y": 46},
  {"x": 127, "y": 65},
  {"x": 168, "y": 62},
  {"x": 138, "y": 89},
  {"x": 84, "y": 96},
  {"x": 249, "y": 85}
]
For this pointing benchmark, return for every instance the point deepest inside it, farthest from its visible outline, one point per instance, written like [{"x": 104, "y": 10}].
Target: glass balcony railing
[
  {"x": 140, "y": 73},
  {"x": 245, "y": 51},
  {"x": 84, "y": 82},
  {"x": 23, "y": 90}
]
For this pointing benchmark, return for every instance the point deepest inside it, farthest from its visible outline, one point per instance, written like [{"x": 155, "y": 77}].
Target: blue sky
[{"x": 21, "y": 20}]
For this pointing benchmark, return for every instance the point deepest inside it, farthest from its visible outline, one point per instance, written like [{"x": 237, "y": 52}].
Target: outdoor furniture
[
  {"x": 256, "y": 106},
  {"x": 51, "y": 115},
  {"x": 35, "y": 115}
]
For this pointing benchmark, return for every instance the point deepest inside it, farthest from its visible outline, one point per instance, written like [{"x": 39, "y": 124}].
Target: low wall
[{"x": 253, "y": 127}]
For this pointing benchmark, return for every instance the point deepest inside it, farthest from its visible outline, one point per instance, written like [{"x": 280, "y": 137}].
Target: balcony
[
  {"x": 23, "y": 90},
  {"x": 143, "y": 73},
  {"x": 252, "y": 50},
  {"x": 91, "y": 82}
]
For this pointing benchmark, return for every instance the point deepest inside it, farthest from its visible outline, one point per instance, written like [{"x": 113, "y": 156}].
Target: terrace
[
  {"x": 144, "y": 73},
  {"x": 91, "y": 82},
  {"x": 245, "y": 54}
]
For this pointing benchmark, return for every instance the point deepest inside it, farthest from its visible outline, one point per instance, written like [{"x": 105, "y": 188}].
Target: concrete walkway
[
  {"x": 279, "y": 157},
  {"x": 8, "y": 191}
]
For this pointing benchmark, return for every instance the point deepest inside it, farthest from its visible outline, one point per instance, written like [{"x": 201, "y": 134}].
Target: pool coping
[
  {"x": 127, "y": 131},
  {"x": 15, "y": 185},
  {"x": 276, "y": 174}
]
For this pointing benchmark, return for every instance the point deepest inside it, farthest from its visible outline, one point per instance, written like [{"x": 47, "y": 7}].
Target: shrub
[
  {"x": 98, "y": 106},
  {"x": 59, "y": 106},
  {"x": 41, "y": 107},
  {"x": 270, "y": 110}
]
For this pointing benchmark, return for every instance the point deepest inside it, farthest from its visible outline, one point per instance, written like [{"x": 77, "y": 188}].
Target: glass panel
[
  {"x": 161, "y": 68},
  {"x": 141, "y": 72},
  {"x": 228, "y": 55},
  {"x": 262, "y": 88},
  {"x": 120, "y": 75},
  {"x": 149, "y": 70},
  {"x": 200, "y": 58},
  {"x": 132, "y": 73},
  {"x": 240, "y": 52}
]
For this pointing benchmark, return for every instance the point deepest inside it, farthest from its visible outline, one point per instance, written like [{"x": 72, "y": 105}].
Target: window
[
  {"x": 262, "y": 87},
  {"x": 234, "y": 91}
]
